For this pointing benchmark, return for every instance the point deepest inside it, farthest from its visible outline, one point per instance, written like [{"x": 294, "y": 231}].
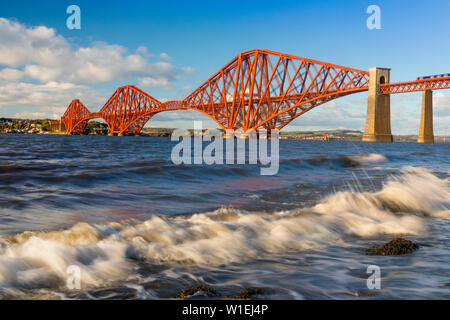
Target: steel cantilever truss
[
  {"x": 269, "y": 89},
  {"x": 129, "y": 109},
  {"x": 76, "y": 117},
  {"x": 257, "y": 89}
]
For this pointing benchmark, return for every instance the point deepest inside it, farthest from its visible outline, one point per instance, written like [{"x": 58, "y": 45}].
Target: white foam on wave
[
  {"x": 368, "y": 158},
  {"x": 106, "y": 253}
]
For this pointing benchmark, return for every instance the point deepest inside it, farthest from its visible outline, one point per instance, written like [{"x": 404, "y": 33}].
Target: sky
[{"x": 169, "y": 48}]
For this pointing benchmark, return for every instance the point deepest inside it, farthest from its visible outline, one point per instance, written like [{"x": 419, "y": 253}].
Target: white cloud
[
  {"x": 441, "y": 104},
  {"x": 33, "y": 115},
  {"x": 52, "y": 97},
  {"x": 20, "y": 45},
  {"x": 43, "y": 70},
  {"x": 45, "y": 56},
  {"x": 42, "y": 113},
  {"x": 332, "y": 115},
  {"x": 142, "y": 50},
  {"x": 10, "y": 74},
  {"x": 188, "y": 70},
  {"x": 181, "y": 119},
  {"x": 165, "y": 56},
  {"x": 147, "y": 82}
]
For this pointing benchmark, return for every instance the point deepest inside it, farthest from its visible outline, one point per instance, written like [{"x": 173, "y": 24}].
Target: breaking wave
[
  {"x": 347, "y": 161},
  {"x": 368, "y": 158},
  {"x": 105, "y": 253}
]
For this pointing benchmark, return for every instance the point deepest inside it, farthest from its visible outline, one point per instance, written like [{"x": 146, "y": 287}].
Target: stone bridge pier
[
  {"x": 378, "y": 120},
  {"x": 426, "y": 134}
]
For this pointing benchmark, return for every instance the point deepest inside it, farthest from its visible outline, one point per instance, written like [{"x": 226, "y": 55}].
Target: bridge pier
[
  {"x": 378, "y": 118},
  {"x": 426, "y": 120}
]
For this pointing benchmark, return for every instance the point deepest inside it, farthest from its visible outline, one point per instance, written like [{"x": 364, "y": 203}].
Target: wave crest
[{"x": 106, "y": 252}]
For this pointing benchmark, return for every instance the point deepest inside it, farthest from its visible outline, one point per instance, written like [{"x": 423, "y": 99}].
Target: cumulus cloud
[
  {"x": 154, "y": 82},
  {"x": 42, "y": 113},
  {"x": 181, "y": 119},
  {"x": 188, "y": 70},
  {"x": 34, "y": 115},
  {"x": 42, "y": 69},
  {"x": 20, "y": 45},
  {"x": 165, "y": 56},
  {"x": 142, "y": 50},
  {"x": 336, "y": 114},
  {"x": 10, "y": 74},
  {"x": 52, "y": 98},
  {"x": 45, "y": 56},
  {"x": 441, "y": 104}
]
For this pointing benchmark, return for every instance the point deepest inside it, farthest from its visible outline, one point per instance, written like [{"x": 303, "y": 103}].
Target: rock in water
[
  {"x": 190, "y": 291},
  {"x": 247, "y": 293},
  {"x": 396, "y": 246}
]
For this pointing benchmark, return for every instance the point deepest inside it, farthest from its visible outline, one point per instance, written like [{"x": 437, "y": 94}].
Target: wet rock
[
  {"x": 190, "y": 291},
  {"x": 397, "y": 246},
  {"x": 247, "y": 293}
]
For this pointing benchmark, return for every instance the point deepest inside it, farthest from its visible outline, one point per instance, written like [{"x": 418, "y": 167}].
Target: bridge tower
[
  {"x": 378, "y": 118},
  {"x": 426, "y": 120}
]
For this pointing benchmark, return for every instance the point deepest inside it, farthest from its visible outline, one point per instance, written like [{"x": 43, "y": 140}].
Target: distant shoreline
[
  {"x": 42, "y": 126},
  {"x": 332, "y": 135}
]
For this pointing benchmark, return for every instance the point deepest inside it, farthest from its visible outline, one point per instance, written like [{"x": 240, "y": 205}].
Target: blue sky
[{"x": 182, "y": 43}]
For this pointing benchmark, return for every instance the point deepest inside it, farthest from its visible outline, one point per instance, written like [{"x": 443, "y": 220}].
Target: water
[{"x": 141, "y": 227}]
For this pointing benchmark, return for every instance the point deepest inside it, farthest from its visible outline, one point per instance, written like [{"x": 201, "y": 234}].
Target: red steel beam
[
  {"x": 256, "y": 89},
  {"x": 262, "y": 88},
  {"x": 417, "y": 85}
]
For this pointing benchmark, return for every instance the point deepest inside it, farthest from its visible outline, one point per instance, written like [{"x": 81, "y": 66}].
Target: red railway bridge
[{"x": 260, "y": 89}]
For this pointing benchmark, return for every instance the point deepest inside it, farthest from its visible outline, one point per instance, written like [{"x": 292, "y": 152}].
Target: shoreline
[{"x": 302, "y": 136}]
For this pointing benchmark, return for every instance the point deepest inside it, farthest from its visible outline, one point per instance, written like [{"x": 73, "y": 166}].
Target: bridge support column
[
  {"x": 426, "y": 120},
  {"x": 378, "y": 118}
]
